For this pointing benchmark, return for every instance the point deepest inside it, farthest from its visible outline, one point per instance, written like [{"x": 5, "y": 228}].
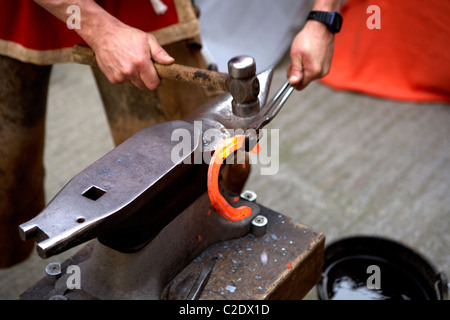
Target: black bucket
[{"x": 375, "y": 268}]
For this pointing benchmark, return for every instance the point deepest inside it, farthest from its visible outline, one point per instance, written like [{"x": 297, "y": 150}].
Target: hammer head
[{"x": 243, "y": 85}]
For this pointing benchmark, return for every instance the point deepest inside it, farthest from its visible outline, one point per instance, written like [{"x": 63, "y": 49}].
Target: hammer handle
[
  {"x": 208, "y": 78},
  {"x": 203, "y": 77}
]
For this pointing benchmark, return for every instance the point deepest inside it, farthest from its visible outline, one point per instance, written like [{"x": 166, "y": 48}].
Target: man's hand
[
  {"x": 312, "y": 48},
  {"x": 311, "y": 54},
  {"x": 125, "y": 54}
]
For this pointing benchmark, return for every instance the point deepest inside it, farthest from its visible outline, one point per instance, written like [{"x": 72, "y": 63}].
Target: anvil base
[{"x": 284, "y": 263}]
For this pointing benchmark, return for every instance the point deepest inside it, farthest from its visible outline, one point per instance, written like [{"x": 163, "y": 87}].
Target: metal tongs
[{"x": 273, "y": 106}]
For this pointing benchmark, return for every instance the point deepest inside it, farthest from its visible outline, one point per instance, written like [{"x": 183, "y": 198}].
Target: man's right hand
[{"x": 125, "y": 54}]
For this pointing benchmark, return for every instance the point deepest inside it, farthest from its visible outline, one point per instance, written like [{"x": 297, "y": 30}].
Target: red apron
[{"x": 30, "y": 33}]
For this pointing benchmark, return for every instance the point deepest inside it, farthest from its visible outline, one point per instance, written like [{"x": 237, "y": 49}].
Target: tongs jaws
[
  {"x": 271, "y": 109},
  {"x": 273, "y": 106}
]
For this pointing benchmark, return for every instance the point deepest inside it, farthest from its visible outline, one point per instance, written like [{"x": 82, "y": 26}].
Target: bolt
[
  {"x": 53, "y": 270},
  {"x": 249, "y": 195},
  {"x": 259, "y": 226}
]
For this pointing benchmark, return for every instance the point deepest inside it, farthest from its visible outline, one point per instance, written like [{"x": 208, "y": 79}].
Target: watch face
[{"x": 336, "y": 22}]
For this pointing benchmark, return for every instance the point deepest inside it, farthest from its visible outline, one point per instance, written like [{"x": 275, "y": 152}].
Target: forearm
[
  {"x": 328, "y": 5},
  {"x": 93, "y": 18}
]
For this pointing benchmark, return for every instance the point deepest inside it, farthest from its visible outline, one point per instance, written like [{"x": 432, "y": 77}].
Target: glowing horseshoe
[{"x": 218, "y": 202}]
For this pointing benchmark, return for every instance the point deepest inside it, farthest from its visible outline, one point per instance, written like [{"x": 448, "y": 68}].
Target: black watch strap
[{"x": 333, "y": 20}]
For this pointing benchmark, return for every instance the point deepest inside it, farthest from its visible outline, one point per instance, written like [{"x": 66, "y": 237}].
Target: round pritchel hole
[{"x": 80, "y": 219}]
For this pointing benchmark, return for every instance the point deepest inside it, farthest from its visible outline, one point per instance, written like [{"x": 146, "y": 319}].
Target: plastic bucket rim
[{"x": 321, "y": 287}]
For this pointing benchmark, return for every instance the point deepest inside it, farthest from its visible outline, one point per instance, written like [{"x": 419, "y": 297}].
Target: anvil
[{"x": 149, "y": 216}]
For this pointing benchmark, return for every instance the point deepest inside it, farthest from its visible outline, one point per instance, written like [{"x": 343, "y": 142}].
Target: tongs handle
[{"x": 274, "y": 105}]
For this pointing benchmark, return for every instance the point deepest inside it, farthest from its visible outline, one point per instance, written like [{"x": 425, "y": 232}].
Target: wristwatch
[{"x": 333, "y": 20}]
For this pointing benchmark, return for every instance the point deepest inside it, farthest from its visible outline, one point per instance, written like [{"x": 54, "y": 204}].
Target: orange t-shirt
[{"x": 398, "y": 50}]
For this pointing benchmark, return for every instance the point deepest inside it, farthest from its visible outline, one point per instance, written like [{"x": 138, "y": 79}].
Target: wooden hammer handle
[
  {"x": 203, "y": 77},
  {"x": 218, "y": 80}
]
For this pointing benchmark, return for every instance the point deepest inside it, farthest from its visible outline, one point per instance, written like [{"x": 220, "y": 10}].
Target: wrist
[
  {"x": 327, "y": 5},
  {"x": 331, "y": 20},
  {"x": 317, "y": 27}
]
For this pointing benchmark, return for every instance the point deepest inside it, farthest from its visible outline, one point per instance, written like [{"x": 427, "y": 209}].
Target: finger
[
  {"x": 310, "y": 74},
  {"x": 296, "y": 70},
  {"x": 305, "y": 80},
  {"x": 138, "y": 83},
  {"x": 135, "y": 78},
  {"x": 157, "y": 53},
  {"x": 149, "y": 77},
  {"x": 148, "y": 73},
  {"x": 288, "y": 71}
]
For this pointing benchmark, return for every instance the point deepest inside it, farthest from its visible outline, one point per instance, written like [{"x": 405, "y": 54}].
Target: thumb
[
  {"x": 158, "y": 54},
  {"x": 295, "y": 70}
]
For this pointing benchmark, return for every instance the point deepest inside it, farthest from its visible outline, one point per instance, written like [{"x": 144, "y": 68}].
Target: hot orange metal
[{"x": 218, "y": 202}]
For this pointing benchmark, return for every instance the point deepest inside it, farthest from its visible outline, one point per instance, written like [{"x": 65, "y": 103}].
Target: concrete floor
[{"x": 348, "y": 164}]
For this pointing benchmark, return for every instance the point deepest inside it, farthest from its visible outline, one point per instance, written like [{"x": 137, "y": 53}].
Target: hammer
[{"x": 241, "y": 81}]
